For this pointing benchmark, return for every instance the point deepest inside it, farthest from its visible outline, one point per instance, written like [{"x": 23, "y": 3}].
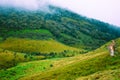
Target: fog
[
  {"x": 26, "y": 4},
  {"x": 104, "y": 10}
]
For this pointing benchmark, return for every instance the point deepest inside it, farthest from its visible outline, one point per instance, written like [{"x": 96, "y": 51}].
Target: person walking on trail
[{"x": 111, "y": 48}]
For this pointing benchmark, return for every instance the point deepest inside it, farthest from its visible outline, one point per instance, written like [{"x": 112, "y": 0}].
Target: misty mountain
[{"x": 56, "y": 23}]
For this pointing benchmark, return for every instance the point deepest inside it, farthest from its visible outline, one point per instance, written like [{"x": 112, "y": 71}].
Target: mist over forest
[{"x": 42, "y": 41}]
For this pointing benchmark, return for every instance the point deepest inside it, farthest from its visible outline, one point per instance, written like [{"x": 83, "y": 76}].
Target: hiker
[{"x": 111, "y": 48}]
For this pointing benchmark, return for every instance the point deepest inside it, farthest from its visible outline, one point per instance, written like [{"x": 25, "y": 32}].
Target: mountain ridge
[
  {"x": 65, "y": 26},
  {"x": 59, "y": 45}
]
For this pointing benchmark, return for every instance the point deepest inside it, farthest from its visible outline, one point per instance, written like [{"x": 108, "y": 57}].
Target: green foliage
[
  {"x": 40, "y": 29},
  {"x": 32, "y": 50},
  {"x": 62, "y": 25},
  {"x": 9, "y": 58},
  {"x": 40, "y": 49},
  {"x": 35, "y": 46},
  {"x": 84, "y": 68},
  {"x": 32, "y": 34},
  {"x": 98, "y": 63},
  {"x": 117, "y": 47},
  {"x": 1, "y": 38},
  {"x": 84, "y": 65},
  {"x": 103, "y": 75},
  {"x": 25, "y": 69}
]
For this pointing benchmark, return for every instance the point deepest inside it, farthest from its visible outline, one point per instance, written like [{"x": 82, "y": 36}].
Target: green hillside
[
  {"x": 56, "y": 45},
  {"x": 98, "y": 60},
  {"x": 35, "y": 46},
  {"x": 47, "y": 48},
  {"x": 9, "y": 58},
  {"x": 103, "y": 75},
  {"x": 97, "y": 64},
  {"x": 16, "y": 50},
  {"x": 60, "y": 24}
]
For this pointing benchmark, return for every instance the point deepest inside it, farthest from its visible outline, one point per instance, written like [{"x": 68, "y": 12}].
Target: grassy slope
[
  {"x": 32, "y": 34},
  {"x": 107, "y": 74},
  {"x": 85, "y": 65},
  {"x": 27, "y": 69},
  {"x": 10, "y": 58},
  {"x": 30, "y": 46},
  {"x": 103, "y": 75},
  {"x": 77, "y": 30},
  {"x": 68, "y": 68},
  {"x": 13, "y": 58},
  {"x": 13, "y": 46},
  {"x": 26, "y": 31}
]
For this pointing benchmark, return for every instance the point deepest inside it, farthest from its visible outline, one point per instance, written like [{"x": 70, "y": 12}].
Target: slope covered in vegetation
[
  {"x": 60, "y": 24},
  {"x": 101, "y": 62},
  {"x": 35, "y": 46},
  {"x": 56, "y": 36},
  {"x": 10, "y": 58},
  {"x": 96, "y": 64},
  {"x": 103, "y": 75},
  {"x": 16, "y": 50}
]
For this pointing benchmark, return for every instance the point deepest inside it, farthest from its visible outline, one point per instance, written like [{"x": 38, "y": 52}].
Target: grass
[
  {"x": 35, "y": 67},
  {"x": 22, "y": 50},
  {"x": 1, "y": 38},
  {"x": 10, "y": 58},
  {"x": 41, "y": 31},
  {"x": 29, "y": 46},
  {"x": 98, "y": 60},
  {"x": 25, "y": 69},
  {"x": 103, "y": 75},
  {"x": 78, "y": 69},
  {"x": 37, "y": 34},
  {"x": 97, "y": 64}
]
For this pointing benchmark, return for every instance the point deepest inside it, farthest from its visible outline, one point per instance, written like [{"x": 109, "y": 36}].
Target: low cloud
[{"x": 26, "y": 4}]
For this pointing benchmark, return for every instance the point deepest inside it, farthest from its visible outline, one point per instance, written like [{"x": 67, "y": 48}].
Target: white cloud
[
  {"x": 27, "y": 4},
  {"x": 104, "y": 10}
]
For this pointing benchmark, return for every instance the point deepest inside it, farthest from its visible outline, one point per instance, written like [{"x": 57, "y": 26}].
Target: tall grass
[
  {"x": 69, "y": 68},
  {"x": 25, "y": 69},
  {"x": 9, "y": 58},
  {"x": 85, "y": 67},
  {"x": 29, "y": 46}
]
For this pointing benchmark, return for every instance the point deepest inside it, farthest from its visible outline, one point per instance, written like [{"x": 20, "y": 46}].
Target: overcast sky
[{"x": 104, "y": 10}]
